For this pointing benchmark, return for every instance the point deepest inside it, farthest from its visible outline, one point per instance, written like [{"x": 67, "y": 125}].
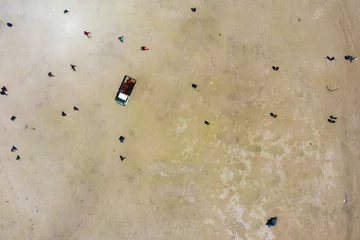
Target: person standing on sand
[
  {"x": 332, "y": 119},
  {"x": 73, "y": 67},
  {"x": 271, "y": 222},
  {"x": 351, "y": 58},
  {"x": 273, "y": 115},
  {"x": 87, "y": 34},
  {"x": 3, "y": 91},
  {"x": 50, "y": 74}
]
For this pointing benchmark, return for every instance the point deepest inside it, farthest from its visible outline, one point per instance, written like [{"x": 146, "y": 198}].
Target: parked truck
[{"x": 125, "y": 90}]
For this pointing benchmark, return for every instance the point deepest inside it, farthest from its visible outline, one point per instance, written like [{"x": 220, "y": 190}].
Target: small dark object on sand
[
  {"x": 3, "y": 91},
  {"x": 330, "y": 58},
  {"x": 13, "y": 118},
  {"x": 350, "y": 58},
  {"x": 13, "y": 149},
  {"x": 63, "y": 114},
  {"x": 18, "y": 157},
  {"x": 144, "y": 48},
  {"x": 122, "y": 158},
  {"x": 121, "y": 39},
  {"x": 9, "y": 24},
  {"x": 76, "y": 109},
  {"x": 271, "y": 222},
  {"x": 193, "y": 9},
  {"x": 66, "y": 11},
  {"x": 88, "y": 34},
  {"x": 206, "y": 122},
  {"x": 332, "y": 119},
  {"x": 275, "y": 68},
  {"x": 331, "y": 90},
  {"x": 273, "y": 115},
  {"x": 194, "y": 85},
  {"x": 122, "y": 139},
  {"x": 50, "y": 74},
  {"x": 73, "y": 67}
]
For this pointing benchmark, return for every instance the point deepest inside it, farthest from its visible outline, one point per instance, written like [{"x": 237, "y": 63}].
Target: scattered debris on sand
[{"x": 271, "y": 222}]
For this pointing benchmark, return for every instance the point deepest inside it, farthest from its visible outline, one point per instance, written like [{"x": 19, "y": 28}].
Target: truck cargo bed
[{"x": 125, "y": 90}]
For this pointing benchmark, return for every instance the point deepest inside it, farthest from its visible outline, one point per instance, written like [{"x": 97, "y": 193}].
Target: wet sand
[{"x": 181, "y": 179}]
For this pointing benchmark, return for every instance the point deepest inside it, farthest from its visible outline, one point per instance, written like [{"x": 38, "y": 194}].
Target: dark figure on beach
[
  {"x": 121, "y": 39},
  {"x": 206, "y": 122},
  {"x": 50, "y": 74},
  {"x": 87, "y": 34},
  {"x": 73, "y": 67},
  {"x": 332, "y": 119},
  {"x": 193, "y": 9},
  {"x": 275, "y": 68},
  {"x": 330, "y": 58},
  {"x": 76, "y": 109},
  {"x": 13, "y": 118},
  {"x": 273, "y": 115},
  {"x": 18, "y": 157},
  {"x": 9, "y": 24},
  {"x": 63, "y": 114},
  {"x": 122, "y": 158},
  {"x": 144, "y": 48},
  {"x": 13, "y": 149},
  {"x": 121, "y": 139},
  {"x": 194, "y": 85},
  {"x": 350, "y": 58},
  {"x": 3, "y": 91},
  {"x": 271, "y": 222},
  {"x": 66, "y": 11}
]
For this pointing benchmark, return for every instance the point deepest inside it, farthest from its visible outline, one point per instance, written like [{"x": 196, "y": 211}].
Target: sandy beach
[{"x": 181, "y": 179}]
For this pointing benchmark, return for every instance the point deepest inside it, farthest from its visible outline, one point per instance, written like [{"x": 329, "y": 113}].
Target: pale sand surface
[{"x": 181, "y": 179}]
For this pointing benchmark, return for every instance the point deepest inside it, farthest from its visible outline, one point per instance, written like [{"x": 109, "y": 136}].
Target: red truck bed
[{"x": 128, "y": 85}]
